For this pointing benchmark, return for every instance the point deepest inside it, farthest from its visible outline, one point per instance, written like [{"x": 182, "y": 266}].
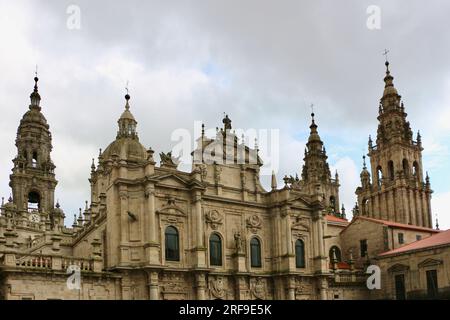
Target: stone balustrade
[{"x": 50, "y": 262}]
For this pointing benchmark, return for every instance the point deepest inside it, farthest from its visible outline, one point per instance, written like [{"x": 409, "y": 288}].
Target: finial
[
  {"x": 35, "y": 97},
  {"x": 364, "y": 162},
  {"x": 203, "y": 129},
  {"x": 312, "y": 112},
  {"x": 385, "y": 54},
  {"x": 36, "y": 79},
  {"x": 86, "y": 207},
  {"x": 57, "y": 204},
  {"x": 274, "y": 181},
  {"x": 10, "y": 199},
  {"x": 256, "y": 144},
  {"x": 93, "y": 165}
]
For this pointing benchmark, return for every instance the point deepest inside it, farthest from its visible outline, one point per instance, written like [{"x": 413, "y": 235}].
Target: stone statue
[{"x": 168, "y": 160}]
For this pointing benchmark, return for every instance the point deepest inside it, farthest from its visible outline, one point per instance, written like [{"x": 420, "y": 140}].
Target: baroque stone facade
[{"x": 154, "y": 232}]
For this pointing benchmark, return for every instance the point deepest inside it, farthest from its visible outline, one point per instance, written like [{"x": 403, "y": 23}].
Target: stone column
[
  {"x": 153, "y": 282},
  {"x": 200, "y": 250},
  {"x": 426, "y": 221},
  {"x": 291, "y": 290},
  {"x": 200, "y": 280},
  {"x": 198, "y": 220},
  {"x": 151, "y": 225},
  {"x": 412, "y": 207},
  {"x": 419, "y": 211}
]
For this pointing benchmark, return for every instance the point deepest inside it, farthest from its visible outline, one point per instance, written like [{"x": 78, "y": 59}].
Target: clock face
[{"x": 35, "y": 218}]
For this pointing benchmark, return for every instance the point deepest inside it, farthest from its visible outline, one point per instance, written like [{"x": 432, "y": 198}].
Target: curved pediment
[{"x": 171, "y": 209}]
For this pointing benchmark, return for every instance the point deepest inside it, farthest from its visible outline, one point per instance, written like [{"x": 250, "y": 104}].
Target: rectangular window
[
  {"x": 432, "y": 284},
  {"x": 400, "y": 238},
  {"x": 418, "y": 237},
  {"x": 363, "y": 248}
]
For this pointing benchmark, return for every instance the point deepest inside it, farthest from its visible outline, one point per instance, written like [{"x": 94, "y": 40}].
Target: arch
[
  {"x": 34, "y": 200},
  {"x": 34, "y": 159},
  {"x": 365, "y": 206},
  {"x": 255, "y": 253},
  {"x": 405, "y": 165},
  {"x": 379, "y": 174},
  {"x": 334, "y": 250},
  {"x": 172, "y": 244},
  {"x": 333, "y": 204},
  {"x": 391, "y": 170},
  {"x": 300, "y": 254},
  {"x": 215, "y": 249}
]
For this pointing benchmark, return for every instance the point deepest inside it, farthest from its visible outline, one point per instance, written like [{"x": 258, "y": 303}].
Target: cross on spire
[
  {"x": 126, "y": 88},
  {"x": 385, "y": 53}
]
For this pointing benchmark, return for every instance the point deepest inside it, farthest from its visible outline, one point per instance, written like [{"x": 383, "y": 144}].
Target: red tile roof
[
  {"x": 441, "y": 238},
  {"x": 399, "y": 225},
  {"x": 335, "y": 219}
]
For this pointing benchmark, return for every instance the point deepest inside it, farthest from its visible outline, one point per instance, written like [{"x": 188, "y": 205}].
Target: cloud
[
  {"x": 262, "y": 62},
  {"x": 439, "y": 207},
  {"x": 349, "y": 180}
]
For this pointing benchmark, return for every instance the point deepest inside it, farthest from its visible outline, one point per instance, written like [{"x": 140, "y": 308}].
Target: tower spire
[
  {"x": 127, "y": 123},
  {"x": 35, "y": 97}
]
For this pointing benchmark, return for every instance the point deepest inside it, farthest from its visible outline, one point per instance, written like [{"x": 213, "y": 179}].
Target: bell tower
[
  {"x": 398, "y": 191},
  {"x": 33, "y": 179},
  {"x": 316, "y": 174}
]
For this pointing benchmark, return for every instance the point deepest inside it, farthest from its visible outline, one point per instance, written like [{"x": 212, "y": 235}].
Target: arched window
[
  {"x": 334, "y": 250},
  {"x": 215, "y": 250},
  {"x": 34, "y": 160},
  {"x": 34, "y": 200},
  {"x": 255, "y": 253},
  {"x": 333, "y": 204},
  {"x": 379, "y": 175},
  {"x": 391, "y": 170},
  {"x": 299, "y": 254},
  {"x": 172, "y": 244},
  {"x": 405, "y": 167}
]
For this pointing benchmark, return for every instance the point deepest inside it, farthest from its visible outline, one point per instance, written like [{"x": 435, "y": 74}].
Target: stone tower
[
  {"x": 397, "y": 191},
  {"x": 316, "y": 175},
  {"x": 33, "y": 179}
]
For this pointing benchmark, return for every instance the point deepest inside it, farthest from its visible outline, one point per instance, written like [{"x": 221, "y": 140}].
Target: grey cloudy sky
[{"x": 262, "y": 62}]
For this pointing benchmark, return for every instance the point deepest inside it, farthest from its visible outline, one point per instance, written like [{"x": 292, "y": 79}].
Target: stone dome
[
  {"x": 126, "y": 148},
  {"x": 34, "y": 116}
]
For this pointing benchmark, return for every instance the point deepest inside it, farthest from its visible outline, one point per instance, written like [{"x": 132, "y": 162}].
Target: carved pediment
[
  {"x": 171, "y": 208},
  {"x": 300, "y": 224},
  {"x": 398, "y": 267},
  {"x": 429, "y": 263},
  {"x": 172, "y": 180}
]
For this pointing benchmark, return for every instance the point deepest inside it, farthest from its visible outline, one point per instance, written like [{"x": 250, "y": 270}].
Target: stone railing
[
  {"x": 350, "y": 277},
  {"x": 50, "y": 262}
]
